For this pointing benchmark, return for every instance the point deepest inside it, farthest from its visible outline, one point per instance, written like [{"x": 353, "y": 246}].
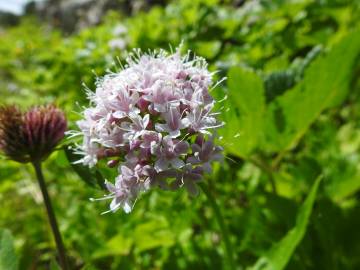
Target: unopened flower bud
[
  {"x": 112, "y": 163},
  {"x": 30, "y": 136}
]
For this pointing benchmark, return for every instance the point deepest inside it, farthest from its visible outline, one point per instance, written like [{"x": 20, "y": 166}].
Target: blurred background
[{"x": 292, "y": 115}]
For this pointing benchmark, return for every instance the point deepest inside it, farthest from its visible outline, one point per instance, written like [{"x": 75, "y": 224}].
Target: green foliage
[
  {"x": 279, "y": 255},
  {"x": 91, "y": 177},
  {"x": 292, "y": 113},
  {"x": 244, "y": 111},
  {"x": 8, "y": 257}
]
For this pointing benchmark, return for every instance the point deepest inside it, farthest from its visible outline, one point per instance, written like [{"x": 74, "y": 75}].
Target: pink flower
[
  {"x": 123, "y": 103},
  {"x": 204, "y": 152},
  {"x": 144, "y": 118},
  {"x": 136, "y": 127},
  {"x": 201, "y": 121},
  {"x": 150, "y": 139},
  {"x": 188, "y": 178},
  {"x": 174, "y": 123},
  {"x": 160, "y": 96},
  {"x": 169, "y": 153},
  {"x": 127, "y": 187}
]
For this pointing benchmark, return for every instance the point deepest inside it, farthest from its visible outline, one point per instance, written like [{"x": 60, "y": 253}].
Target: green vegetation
[{"x": 289, "y": 189}]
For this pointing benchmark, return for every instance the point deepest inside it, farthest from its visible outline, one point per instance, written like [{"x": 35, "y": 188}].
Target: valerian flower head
[
  {"x": 32, "y": 135},
  {"x": 156, "y": 115}
]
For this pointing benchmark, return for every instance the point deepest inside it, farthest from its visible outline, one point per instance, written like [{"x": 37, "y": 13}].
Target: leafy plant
[{"x": 292, "y": 113}]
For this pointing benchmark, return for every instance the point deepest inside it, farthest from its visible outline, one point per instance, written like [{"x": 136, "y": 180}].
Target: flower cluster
[
  {"x": 30, "y": 136},
  {"x": 154, "y": 122}
]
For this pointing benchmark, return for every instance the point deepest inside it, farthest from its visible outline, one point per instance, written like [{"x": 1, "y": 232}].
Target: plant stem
[
  {"x": 268, "y": 170},
  {"x": 51, "y": 216},
  {"x": 224, "y": 230}
]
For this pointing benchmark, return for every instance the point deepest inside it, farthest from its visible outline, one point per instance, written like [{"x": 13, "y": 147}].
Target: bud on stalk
[{"x": 31, "y": 136}]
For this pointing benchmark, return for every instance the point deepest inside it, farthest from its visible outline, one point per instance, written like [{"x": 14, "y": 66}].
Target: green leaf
[
  {"x": 153, "y": 234},
  {"x": 54, "y": 265},
  {"x": 91, "y": 177},
  {"x": 325, "y": 85},
  {"x": 146, "y": 236},
  {"x": 343, "y": 186},
  {"x": 119, "y": 245},
  {"x": 244, "y": 112},
  {"x": 280, "y": 253},
  {"x": 8, "y": 258},
  {"x": 277, "y": 83}
]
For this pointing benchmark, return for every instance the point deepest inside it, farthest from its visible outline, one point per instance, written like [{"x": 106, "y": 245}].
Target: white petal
[
  {"x": 207, "y": 167},
  {"x": 119, "y": 114},
  {"x": 193, "y": 160},
  {"x": 162, "y": 127},
  {"x": 174, "y": 133},
  {"x": 192, "y": 188},
  {"x": 185, "y": 122},
  {"x": 115, "y": 204},
  {"x": 177, "y": 163},
  {"x": 110, "y": 186},
  {"x": 146, "y": 120},
  {"x": 161, "y": 165},
  {"x": 126, "y": 171},
  {"x": 127, "y": 208},
  {"x": 160, "y": 108}
]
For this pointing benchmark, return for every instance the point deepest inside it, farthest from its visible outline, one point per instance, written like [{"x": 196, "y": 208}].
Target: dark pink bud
[
  {"x": 152, "y": 111},
  {"x": 181, "y": 75},
  {"x": 199, "y": 140},
  {"x": 30, "y": 136},
  {"x": 143, "y": 104},
  {"x": 112, "y": 163},
  {"x": 106, "y": 153}
]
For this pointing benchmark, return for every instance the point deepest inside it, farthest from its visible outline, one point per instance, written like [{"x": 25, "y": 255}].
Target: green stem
[
  {"x": 51, "y": 216},
  {"x": 224, "y": 230},
  {"x": 268, "y": 170}
]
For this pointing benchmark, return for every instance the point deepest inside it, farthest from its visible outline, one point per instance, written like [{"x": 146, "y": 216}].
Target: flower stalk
[
  {"x": 50, "y": 213},
  {"x": 224, "y": 230},
  {"x": 32, "y": 136}
]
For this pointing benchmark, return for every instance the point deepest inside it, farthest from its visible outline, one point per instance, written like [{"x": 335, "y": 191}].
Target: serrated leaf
[
  {"x": 244, "y": 111},
  {"x": 277, "y": 83},
  {"x": 8, "y": 257},
  {"x": 279, "y": 255},
  {"x": 325, "y": 84}
]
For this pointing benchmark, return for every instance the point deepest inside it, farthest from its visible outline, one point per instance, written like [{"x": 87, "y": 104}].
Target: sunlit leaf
[
  {"x": 116, "y": 246},
  {"x": 280, "y": 253},
  {"x": 325, "y": 85},
  {"x": 8, "y": 257},
  {"x": 153, "y": 234},
  {"x": 244, "y": 111}
]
